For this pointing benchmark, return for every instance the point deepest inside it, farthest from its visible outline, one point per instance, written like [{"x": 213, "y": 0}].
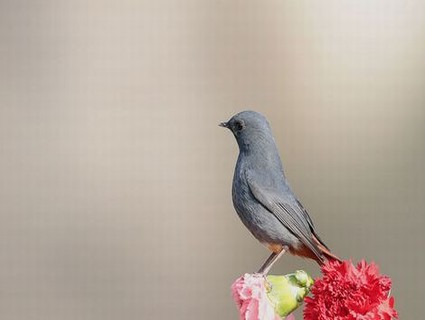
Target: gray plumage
[{"x": 261, "y": 194}]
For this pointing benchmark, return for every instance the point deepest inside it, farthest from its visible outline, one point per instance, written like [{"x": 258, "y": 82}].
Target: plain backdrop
[{"x": 115, "y": 179}]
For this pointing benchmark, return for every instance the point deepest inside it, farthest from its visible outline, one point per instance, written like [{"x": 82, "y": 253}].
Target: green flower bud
[{"x": 287, "y": 292}]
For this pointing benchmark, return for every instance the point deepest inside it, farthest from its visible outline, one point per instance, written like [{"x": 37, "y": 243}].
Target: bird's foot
[{"x": 263, "y": 275}]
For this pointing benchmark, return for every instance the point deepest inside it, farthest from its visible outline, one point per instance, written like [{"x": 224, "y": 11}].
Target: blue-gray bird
[{"x": 263, "y": 198}]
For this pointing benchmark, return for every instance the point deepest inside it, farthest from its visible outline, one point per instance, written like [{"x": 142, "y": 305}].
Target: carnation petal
[{"x": 350, "y": 292}]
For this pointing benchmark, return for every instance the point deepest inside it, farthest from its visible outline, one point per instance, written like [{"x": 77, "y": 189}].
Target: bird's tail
[
  {"x": 320, "y": 256},
  {"x": 329, "y": 255},
  {"x": 325, "y": 252}
]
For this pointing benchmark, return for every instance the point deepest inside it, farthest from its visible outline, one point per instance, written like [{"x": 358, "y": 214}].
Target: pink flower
[
  {"x": 348, "y": 292},
  {"x": 249, "y": 293},
  {"x": 290, "y": 317}
]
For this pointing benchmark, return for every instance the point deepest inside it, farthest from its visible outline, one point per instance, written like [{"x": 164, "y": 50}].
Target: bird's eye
[{"x": 239, "y": 126}]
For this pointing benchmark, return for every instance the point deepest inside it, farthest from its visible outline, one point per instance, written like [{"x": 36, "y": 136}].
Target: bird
[{"x": 263, "y": 198}]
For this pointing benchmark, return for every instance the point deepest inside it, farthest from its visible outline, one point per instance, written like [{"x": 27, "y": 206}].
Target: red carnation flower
[{"x": 347, "y": 292}]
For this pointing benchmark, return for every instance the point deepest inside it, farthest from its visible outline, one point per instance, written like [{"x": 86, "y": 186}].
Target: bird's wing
[
  {"x": 292, "y": 217},
  {"x": 310, "y": 222},
  {"x": 305, "y": 214}
]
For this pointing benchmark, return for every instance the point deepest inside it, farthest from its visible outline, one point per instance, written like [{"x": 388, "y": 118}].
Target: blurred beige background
[{"x": 115, "y": 179}]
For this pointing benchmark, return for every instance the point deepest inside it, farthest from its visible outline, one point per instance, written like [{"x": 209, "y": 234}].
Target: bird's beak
[{"x": 224, "y": 125}]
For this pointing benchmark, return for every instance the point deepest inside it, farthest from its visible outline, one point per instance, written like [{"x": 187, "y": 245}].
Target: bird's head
[{"x": 251, "y": 130}]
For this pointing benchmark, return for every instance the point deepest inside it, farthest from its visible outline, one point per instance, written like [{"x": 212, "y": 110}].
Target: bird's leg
[
  {"x": 265, "y": 268},
  {"x": 267, "y": 265}
]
